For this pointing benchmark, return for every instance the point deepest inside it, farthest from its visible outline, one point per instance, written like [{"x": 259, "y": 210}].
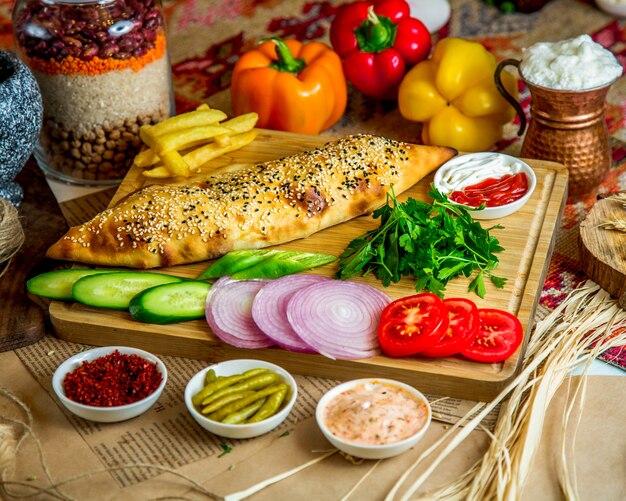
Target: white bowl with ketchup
[{"x": 502, "y": 182}]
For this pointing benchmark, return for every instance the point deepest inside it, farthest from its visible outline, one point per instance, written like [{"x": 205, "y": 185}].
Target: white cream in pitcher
[{"x": 575, "y": 64}]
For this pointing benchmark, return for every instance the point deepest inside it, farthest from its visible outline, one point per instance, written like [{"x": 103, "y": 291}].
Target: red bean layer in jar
[
  {"x": 120, "y": 30},
  {"x": 493, "y": 192}
]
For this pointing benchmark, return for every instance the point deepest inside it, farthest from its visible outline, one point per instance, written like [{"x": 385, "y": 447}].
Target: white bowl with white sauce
[
  {"x": 468, "y": 170},
  {"x": 373, "y": 418}
]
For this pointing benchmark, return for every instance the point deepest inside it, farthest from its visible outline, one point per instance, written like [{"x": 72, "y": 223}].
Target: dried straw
[
  {"x": 8, "y": 444},
  {"x": 237, "y": 496},
  {"x": 618, "y": 197},
  {"x": 587, "y": 323},
  {"x": 11, "y": 234},
  {"x": 614, "y": 224},
  {"x": 363, "y": 478}
]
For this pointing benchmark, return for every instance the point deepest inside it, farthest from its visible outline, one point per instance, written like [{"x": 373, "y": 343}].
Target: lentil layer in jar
[
  {"x": 375, "y": 414},
  {"x": 103, "y": 72}
]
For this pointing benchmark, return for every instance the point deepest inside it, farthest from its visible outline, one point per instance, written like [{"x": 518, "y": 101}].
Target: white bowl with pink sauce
[{"x": 373, "y": 418}]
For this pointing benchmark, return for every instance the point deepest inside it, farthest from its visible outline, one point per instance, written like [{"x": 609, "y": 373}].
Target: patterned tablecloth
[{"x": 207, "y": 36}]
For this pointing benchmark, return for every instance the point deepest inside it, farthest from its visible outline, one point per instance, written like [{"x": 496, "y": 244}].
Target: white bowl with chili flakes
[
  {"x": 110, "y": 384},
  {"x": 373, "y": 418}
]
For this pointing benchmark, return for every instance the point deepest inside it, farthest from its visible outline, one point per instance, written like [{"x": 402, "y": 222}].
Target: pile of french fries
[{"x": 181, "y": 144}]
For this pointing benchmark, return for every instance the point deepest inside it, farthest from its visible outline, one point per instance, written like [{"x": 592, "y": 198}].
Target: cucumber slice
[
  {"x": 166, "y": 304},
  {"x": 115, "y": 290},
  {"x": 58, "y": 284}
]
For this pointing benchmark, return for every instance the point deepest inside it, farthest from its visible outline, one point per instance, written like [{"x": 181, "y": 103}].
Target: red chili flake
[{"x": 111, "y": 380}]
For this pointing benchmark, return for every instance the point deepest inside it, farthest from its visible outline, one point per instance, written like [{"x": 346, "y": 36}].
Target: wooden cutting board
[
  {"x": 527, "y": 238},
  {"x": 603, "y": 250}
]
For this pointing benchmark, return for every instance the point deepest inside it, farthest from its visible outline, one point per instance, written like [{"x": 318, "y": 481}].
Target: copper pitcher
[{"x": 568, "y": 127}]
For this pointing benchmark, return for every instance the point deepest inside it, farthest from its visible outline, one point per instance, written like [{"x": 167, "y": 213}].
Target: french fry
[
  {"x": 175, "y": 163},
  {"x": 180, "y": 140},
  {"x": 146, "y": 158},
  {"x": 242, "y": 123},
  {"x": 149, "y": 133},
  {"x": 222, "y": 139},
  {"x": 204, "y": 154},
  {"x": 201, "y": 135},
  {"x": 237, "y": 125},
  {"x": 158, "y": 172}
]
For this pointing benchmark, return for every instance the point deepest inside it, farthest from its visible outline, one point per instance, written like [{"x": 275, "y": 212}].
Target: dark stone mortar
[{"x": 21, "y": 113}]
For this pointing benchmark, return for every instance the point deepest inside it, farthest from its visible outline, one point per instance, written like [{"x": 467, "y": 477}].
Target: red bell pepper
[{"x": 378, "y": 42}]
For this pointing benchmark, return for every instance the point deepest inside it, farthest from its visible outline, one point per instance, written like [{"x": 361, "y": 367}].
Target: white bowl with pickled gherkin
[{"x": 241, "y": 398}]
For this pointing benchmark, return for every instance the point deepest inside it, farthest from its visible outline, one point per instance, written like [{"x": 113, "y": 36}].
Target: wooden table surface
[{"x": 205, "y": 38}]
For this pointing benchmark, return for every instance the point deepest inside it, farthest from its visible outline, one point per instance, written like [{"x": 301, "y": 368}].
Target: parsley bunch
[{"x": 433, "y": 242}]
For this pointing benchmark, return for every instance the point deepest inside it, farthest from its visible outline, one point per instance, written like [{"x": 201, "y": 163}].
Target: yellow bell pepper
[{"x": 454, "y": 94}]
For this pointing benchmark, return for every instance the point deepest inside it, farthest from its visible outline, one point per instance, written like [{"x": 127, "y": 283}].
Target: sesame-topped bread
[{"x": 252, "y": 207}]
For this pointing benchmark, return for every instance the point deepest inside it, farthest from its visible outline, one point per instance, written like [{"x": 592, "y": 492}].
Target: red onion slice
[
  {"x": 269, "y": 310},
  {"x": 338, "y": 319},
  {"x": 229, "y": 313}
]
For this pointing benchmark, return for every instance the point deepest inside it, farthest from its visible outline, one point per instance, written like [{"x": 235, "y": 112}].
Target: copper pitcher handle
[{"x": 505, "y": 93}]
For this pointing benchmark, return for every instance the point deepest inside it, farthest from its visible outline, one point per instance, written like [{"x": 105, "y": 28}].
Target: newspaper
[
  {"x": 167, "y": 434},
  {"x": 163, "y": 454}
]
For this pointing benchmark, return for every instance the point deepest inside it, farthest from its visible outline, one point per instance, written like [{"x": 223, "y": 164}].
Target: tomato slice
[
  {"x": 411, "y": 324},
  {"x": 499, "y": 334},
  {"x": 463, "y": 325}
]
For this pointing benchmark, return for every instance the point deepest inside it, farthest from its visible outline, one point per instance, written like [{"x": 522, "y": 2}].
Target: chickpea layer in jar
[{"x": 103, "y": 72}]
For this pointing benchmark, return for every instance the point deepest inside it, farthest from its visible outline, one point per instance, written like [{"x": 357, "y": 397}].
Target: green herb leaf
[
  {"x": 452, "y": 271},
  {"x": 478, "y": 285},
  {"x": 226, "y": 448},
  {"x": 497, "y": 281},
  {"x": 433, "y": 242}
]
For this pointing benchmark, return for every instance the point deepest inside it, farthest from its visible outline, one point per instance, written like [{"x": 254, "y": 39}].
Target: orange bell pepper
[{"x": 292, "y": 86}]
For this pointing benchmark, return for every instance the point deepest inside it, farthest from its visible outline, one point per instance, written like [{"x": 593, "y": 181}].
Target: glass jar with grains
[{"x": 103, "y": 70}]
